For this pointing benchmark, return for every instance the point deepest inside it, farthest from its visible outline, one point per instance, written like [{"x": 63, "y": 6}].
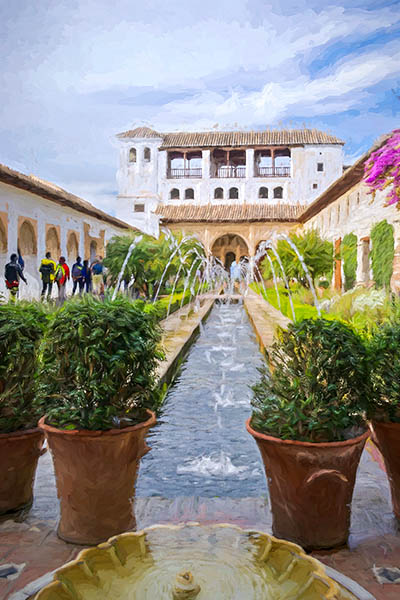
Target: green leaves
[
  {"x": 318, "y": 386},
  {"x": 98, "y": 362},
  {"x": 317, "y": 254},
  {"x": 382, "y": 253},
  {"x": 384, "y": 404},
  {"x": 21, "y": 329}
]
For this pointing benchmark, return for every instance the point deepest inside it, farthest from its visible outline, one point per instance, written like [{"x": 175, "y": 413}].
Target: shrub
[
  {"x": 349, "y": 256},
  {"x": 382, "y": 253},
  {"x": 384, "y": 403},
  {"x": 318, "y": 385},
  {"x": 21, "y": 329},
  {"x": 98, "y": 362}
]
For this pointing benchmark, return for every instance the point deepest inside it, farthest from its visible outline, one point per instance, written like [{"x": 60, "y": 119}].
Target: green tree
[
  {"x": 349, "y": 257},
  {"x": 382, "y": 253},
  {"x": 149, "y": 260},
  {"x": 317, "y": 254}
]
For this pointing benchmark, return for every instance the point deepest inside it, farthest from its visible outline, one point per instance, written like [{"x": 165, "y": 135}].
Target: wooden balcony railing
[
  {"x": 272, "y": 172},
  {"x": 231, "y": 172},
  {"x": 183, "y": 173}
]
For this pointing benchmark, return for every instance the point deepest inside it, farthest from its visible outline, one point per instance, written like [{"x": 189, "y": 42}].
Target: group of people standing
[{"x": 85, "y": 277}]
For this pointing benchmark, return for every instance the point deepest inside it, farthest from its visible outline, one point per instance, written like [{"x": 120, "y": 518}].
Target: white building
[
  {"x": 38, "y": 217},
  {"x": 221, "y": 168}
]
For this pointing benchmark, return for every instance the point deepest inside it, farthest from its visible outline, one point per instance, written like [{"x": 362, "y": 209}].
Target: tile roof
[
  {"x": 207, "y": 139},
  {"x": 247, "y": 138},
  {"x": 349, "y": 179},
  {"x": 140, "y": 132},
  {"x": 53, "y": 192},
  {"x": 223, "y": 213}
]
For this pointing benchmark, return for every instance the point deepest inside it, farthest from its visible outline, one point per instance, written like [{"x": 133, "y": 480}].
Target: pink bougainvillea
[{"x": 382, "y": 169}]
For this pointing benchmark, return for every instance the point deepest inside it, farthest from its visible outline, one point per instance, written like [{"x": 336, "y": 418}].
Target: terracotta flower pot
[
  {"x": 387, "y": 438},
  {"x": 96, "y": 473},
  {"x": 311, "y": 487},
  {"x": 19, "y": 454}
]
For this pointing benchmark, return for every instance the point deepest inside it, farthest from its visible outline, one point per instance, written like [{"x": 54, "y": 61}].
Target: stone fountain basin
[{"x": 222, "y": 562}]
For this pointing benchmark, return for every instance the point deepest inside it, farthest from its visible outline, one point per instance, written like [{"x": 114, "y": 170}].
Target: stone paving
[{"x": 30, "y": 548}]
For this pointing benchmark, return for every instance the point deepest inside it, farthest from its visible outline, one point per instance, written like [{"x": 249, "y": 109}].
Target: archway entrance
[{"x": 229, "y": 247}]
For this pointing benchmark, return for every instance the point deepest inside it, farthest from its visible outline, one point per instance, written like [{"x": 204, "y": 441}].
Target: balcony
[
  {"x": 272, "y": 172},
  {"x": 184, "y": 173},
  {"x": 230, "y": 172}
]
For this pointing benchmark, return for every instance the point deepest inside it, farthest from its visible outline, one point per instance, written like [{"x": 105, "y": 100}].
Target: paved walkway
[{"x": 29, "y": 544}]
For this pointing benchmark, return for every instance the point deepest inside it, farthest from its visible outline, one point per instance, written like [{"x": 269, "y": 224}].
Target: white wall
[{"x": 17, "y": 203}]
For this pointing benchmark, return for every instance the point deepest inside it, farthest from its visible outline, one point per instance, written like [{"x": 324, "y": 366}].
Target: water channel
[{"x": 200, "y": 446}]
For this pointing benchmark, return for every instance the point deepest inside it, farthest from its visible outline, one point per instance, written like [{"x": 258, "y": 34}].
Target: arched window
[
  {"x": 174, "y": 194},
  {"x": 189, "y": 194},
  {"x": 263, "y": 192},
  {"x": 132, "y": 155},
  {"x": 278, "y": 192},
  {"x": 27, "y": 239},
  {"x": 147, "y": 154},
  {"x": 233, "y": 193},
  {"x": 218, "y": 193}
]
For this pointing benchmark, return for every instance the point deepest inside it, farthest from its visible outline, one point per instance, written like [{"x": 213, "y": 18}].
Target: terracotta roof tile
[
  {"x": 248, "y": 138},
  {"x": 228, "y": 212},
  {"x": 140, "y": 132},
  {"x": 53, "y": 192}
]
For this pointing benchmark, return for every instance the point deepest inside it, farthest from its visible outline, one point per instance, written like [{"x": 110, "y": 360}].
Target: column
[
  {"x": 363, "y": 261},
  {"x": 205, "y": 164},
  {"x": 338, "y": 265},
  {"x": 273, "y": 160},
  {"x": 249, "y": 162}
]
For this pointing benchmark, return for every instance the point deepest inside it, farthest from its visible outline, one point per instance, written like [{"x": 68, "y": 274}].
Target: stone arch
[
  {"x": 53, "y": 243},
  {"x": 72, "y": 247},
  {"x": 27, "y": 242},
  {"x": 227, "y": 244},
  {"x": 189, "y": 194},
  {"x": 93, "y": 250},
  {"x": 147, "y": 155},
  {"x": 132, "y": 155}
]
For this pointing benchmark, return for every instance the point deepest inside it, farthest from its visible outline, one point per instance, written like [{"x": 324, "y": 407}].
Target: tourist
[
  {"x": 21, "y": 261},
  {"x": 12, "y": 274},
  {"x": 77, "y": 276},
  {"x": 62, "y": 276},
  {"x": 87, "y": 276},
  {"x": 97, "y": 273},
  {"x": 48, "y": 271}
]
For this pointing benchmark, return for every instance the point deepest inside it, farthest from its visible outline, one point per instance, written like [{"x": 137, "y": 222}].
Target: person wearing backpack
[
  {"x": 62, "y": 276},
  {"x": 12, "y": 274},
  {"x": 77, "y": 276},
  {"x": 97, "y": 271},
  {"x": 48, "y": 271}
]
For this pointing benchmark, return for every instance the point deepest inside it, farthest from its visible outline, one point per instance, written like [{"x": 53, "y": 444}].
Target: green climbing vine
[
  {"x": 382, "y": 253},
  {"x": 349, "y": 257}
]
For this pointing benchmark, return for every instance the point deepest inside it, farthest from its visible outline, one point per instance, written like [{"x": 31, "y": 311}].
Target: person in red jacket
[{"x": 62, "y": 276}]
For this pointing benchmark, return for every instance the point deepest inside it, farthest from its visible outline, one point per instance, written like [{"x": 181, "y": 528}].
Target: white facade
[
  {"x": 145, "y": 178},
  {"x": 36, "y": 225}
]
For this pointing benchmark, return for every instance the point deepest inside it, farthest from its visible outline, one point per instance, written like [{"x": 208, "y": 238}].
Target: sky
[{"x": 76, "y": 73}]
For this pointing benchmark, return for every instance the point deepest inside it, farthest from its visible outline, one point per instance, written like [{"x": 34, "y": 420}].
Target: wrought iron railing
[
  {"x": 272, "y": 172},
  {"x": 183, "y": 173}
]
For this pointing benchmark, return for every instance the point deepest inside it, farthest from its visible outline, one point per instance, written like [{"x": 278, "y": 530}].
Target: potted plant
[
  {"x": 384, "y": 403},
  {"x": 21, "y": 329},
  {"x": 309, "y": 427},
  {"x": 97, "y": 391}
]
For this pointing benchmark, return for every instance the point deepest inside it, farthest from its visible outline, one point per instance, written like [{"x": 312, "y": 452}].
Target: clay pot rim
[
  {"x": 21, "y": 433},
  {"x": 99, "y": 432},
  {"x": 298, "y": 443}
]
